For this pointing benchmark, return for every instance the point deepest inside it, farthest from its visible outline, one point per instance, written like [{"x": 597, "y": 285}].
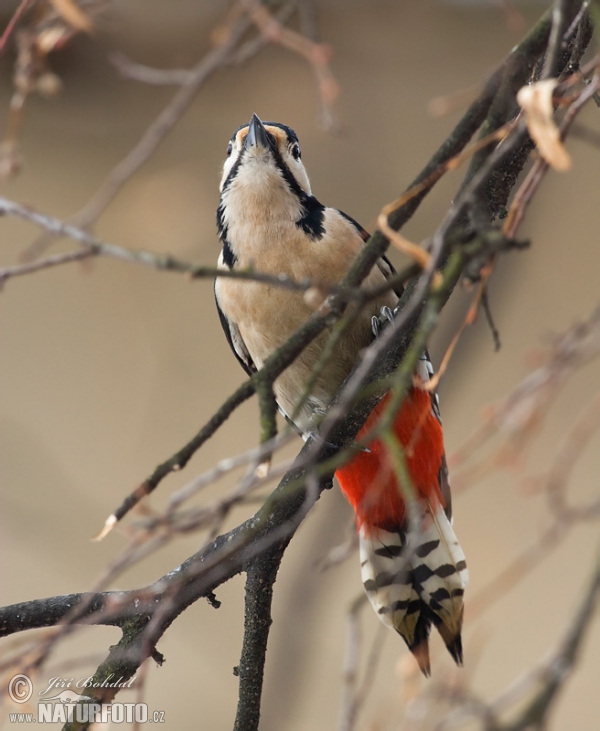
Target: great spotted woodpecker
[{"x": 413, "y": 571}]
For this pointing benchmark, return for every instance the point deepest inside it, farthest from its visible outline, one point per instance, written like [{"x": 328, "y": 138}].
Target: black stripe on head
[
  {"x": 293, "y": 184},
  {"x": 311, "y": 219}
]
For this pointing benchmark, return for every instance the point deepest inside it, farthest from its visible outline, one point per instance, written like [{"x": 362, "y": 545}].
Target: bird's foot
[{"x": 378, "y": 323}]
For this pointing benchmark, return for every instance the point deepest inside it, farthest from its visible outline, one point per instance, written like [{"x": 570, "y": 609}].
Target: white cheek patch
[
  {"x": 298, "y": 171},
  {"x": 228, "y": 166}
]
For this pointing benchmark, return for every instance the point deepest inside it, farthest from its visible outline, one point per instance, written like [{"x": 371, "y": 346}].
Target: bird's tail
[
  {"x": 416, "y": 578},
  {"x": 413, "y": 568}
]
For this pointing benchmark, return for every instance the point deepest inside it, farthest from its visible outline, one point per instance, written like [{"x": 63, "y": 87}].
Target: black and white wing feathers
[
  {"x": 384, "y": 264},
  {"x": 236, "y": 342}
]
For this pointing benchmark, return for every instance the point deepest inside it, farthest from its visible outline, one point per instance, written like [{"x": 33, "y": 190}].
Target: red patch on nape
[{"x": 369, "y": 481}]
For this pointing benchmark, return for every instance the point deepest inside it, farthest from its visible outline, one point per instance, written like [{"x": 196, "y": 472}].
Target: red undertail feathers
[{"x": 413, "y": 569}]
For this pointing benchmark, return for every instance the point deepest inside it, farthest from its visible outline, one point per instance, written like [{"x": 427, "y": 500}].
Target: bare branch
[
  {"x": 47, "y": 263},
  {"x": 260, "y": 578},
  {"x": 517, "y": 417},
  {"x": 147, "y": 74},
  {"x": 22, "y": 7}
]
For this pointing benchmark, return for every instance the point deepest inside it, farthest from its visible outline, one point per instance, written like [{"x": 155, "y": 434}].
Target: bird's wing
[
  {"x": 384, "y": 264},
  {"x": 236, "y": 341}
]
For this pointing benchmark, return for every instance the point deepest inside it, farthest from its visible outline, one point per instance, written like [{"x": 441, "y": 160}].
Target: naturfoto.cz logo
[{"x": 68, "y": 706}]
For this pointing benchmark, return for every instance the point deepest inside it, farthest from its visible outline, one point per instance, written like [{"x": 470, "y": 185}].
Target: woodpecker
[{"x": 413, "y": 569}]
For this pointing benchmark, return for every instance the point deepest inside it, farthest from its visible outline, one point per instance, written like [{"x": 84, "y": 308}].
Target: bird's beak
[{"x": 257, "y": 134}]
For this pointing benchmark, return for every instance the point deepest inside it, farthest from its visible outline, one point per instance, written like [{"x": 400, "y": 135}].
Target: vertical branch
[
  {"x": 349, "y": 704},
  {"x": 260, "y": 577},
  {"x": 267, "y": 404},
  {"x": 563, "y": 13},
  {"x": 517, "y": 70},
  {"x": 268, "y": 410}
]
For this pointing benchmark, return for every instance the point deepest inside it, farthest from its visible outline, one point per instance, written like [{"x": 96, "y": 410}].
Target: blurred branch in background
[
  {"x": 449, "y": 703},
  {"x": 230, "y": 46},
  {"x": 518, "y": 417},
  {"x": 463, "y": 248},
  {"x": 40, "y": 28}
]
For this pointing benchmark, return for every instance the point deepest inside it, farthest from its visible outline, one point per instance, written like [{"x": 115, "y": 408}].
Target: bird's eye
[
  {"x": 295, "y": 150},
  {"x": 229, "y": 148}
]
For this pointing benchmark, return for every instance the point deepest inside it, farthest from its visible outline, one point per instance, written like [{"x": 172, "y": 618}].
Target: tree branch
[
  {"x": 260, "y": 577},
  {"x": 555, "y": 672}
]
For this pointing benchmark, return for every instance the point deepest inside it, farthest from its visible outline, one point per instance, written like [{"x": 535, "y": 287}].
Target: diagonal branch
[{"x": 558, "y": 668}]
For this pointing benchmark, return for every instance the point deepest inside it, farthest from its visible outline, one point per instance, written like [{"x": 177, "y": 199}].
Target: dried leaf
[
  {"x": 73, "y": 15},
  {"x": 536, "y": 102},
  {"x": 52, "y": 38}
]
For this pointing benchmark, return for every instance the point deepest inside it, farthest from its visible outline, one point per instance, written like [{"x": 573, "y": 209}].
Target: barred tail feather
[
  {"x": 440, "y": 576},
  {"x": 387, "y": 577},
  {"x": 417, "y": 578}
]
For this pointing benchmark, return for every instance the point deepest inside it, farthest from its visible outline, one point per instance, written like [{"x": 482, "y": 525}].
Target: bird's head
[{"x": 264, "y": 167}]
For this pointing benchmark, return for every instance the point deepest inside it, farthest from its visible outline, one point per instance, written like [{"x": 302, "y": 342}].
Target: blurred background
[{"x": 109, "y": 368}]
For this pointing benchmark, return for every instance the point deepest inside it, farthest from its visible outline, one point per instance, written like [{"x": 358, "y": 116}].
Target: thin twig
[
  {"x": 161, "y": 262},
  {"x": 535, "y": 176},
  {"x": 47, "y": 263},
  {"x": 348, "y": 703},
  {"x": 16, "y": 16},
  {"x": 147, "y": 74},
  {"x": 156, "y": 132},
  {"x": 517, "y": 417},
  {"x": 316, "y": 54}
]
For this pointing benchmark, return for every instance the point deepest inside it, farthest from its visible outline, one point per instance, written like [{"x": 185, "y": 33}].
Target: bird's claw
[
  {"x": 378, "y": 323},
  {"x": 375, "y": 325},
  {"x": 387, "y": 313}
]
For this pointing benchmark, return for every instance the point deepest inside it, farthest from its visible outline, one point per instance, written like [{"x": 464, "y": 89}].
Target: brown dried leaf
[
  {"x": 536, "y": 102},
  {"x": 52, "y": 38},
  {"x": 73, "y": 15}
]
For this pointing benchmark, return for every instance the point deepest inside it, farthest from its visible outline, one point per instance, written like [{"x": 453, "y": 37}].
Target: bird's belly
[{"x": 266, "y": 318}]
